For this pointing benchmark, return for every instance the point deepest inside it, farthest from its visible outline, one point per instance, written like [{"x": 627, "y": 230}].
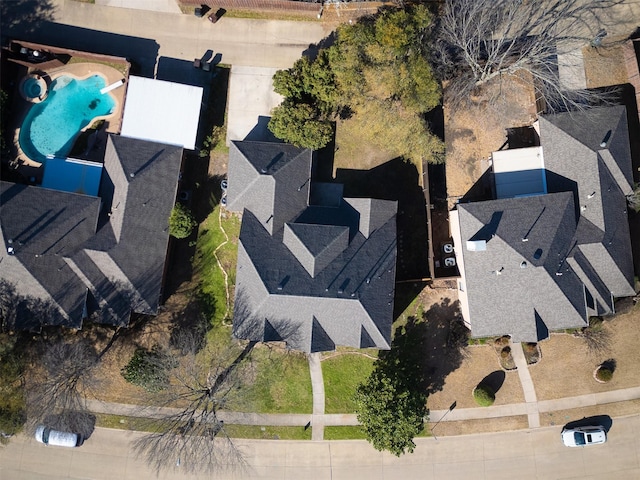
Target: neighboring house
[
  {"x": 554, "y": 247},
  {"x": 315, "y": 270},
  {"x": 71, "y": 254}
]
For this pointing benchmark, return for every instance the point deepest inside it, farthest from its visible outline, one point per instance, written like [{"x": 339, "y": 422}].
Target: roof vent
[
  {"x": 583, "y": 208},
  {"x": 11, "y": 251},
  {"x": 591, "y": 195},
  {"x": 523, "y": 265},
  {"x": 476, "y": 245},
  {"x": 132, "y": 174},
  {"x": 284, "y": 281}
]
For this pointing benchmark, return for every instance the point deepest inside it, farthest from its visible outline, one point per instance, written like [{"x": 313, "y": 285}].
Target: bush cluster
[
  {"x": 148, "y": 369},
  {"x": 484, "y": 395}
]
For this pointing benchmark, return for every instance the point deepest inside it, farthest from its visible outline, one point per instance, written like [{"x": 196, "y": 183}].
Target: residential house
[
  {"x": 315, "y": 270},
  {"x": 69, "y": 255},
  {"x": 553, "y": 248}
]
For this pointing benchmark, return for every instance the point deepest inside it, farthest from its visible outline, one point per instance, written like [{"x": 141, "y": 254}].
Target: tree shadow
[
  {"x": 604, "y": 421},
  {"x": 609, "y": 364},
  {"x": 494, "y": 380},
  {"x": 27, "y": 15},
  {"x": 80, "y": 423},
  {"x": 425, "y": 351}
]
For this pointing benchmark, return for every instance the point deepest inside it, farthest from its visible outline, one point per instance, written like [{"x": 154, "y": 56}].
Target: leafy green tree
[
  {"x": 391, "y": 412},
  {"x": 181, "y": 222},
  {"x": 377, "y": 73},
  {"x": 300, "y": 125}
]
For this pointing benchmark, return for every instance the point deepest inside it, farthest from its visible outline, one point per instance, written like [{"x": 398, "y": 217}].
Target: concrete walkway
[
  {"x": 322, "y": 419},
  {"x": 317, "y": 387},
  {"x": 527, "y": 385}
]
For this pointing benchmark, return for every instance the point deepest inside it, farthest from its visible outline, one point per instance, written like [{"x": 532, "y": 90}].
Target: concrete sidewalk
[{"x": 458, "y": 414}]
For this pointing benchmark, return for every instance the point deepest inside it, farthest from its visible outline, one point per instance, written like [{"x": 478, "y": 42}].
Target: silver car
[
  {"x": 61, "y": 439},
  {"x": 581, "y": 436}
]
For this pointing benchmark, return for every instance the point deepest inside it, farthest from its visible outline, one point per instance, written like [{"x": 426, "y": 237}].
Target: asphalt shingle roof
[
  {"x": 317, "y": 281},
  {"x": 66, "y": 250},
  {"x": 553, "y": 260}
]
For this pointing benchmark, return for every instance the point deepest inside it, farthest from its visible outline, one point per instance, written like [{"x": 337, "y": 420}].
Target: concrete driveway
[{"x": 251, "y": 98}]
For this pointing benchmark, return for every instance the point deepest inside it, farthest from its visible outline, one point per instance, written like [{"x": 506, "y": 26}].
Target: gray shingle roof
[
  {"x": 44, "y": 227},
  {"x": 553, "y": 260},
  {"x": 317, "y": 281},
  {"x": 64, "y": 250},
  {"x": 270, "y": 179},
  {"x": 512, "y": 280}
]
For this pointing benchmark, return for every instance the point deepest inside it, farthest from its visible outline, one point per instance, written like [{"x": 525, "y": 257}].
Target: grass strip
[{"x": 234, "y": 431}]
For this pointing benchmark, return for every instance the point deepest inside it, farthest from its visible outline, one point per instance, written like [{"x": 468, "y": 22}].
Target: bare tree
[
  {"x": 596, "y": 338},
  {"x": 480, "y": 41},
  {"x": 63, "y": 374},
  {"x": 189, "y": 432}
]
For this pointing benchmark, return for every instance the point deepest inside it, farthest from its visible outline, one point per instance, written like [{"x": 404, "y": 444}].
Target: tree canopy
[
  {"x": 377, "y": 73},
  {"x": 479, "y": 41},
  {"x": 391, "y": 413},
  {"x": 181, "y": 222}
]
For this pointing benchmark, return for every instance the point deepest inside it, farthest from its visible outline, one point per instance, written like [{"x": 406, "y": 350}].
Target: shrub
[
  {"x": 484, "y": 395},
  {"x": 595, "y": 323},
  {"x": 211, "y": 141},
  {"x": 604, "y": 374},
  {"x": 181, "y": 222},
  {"x": 148, "y": 369},
  {"x": 501, "y": 341},
  {"x": 505, "y": 352},
  {"x": 531, "y": 348}
]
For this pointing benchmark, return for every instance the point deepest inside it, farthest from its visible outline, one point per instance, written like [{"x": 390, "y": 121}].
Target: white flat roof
[
  {"x": 519, "y": 172},
  {"x": 163, "y": 112}
]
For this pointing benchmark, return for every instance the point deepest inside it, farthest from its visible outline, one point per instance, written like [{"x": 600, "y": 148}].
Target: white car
[
  {"x": 61, "y": 439},
  {"x": 581, "y": 436}
]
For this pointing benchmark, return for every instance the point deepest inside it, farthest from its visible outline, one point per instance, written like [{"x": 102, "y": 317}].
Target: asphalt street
[{"x": 522, "y": 455}]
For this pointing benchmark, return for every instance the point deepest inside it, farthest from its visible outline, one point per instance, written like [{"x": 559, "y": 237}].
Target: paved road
[
  {"x": 533, "y": 454},
  {"x": 147, "y": 35}
]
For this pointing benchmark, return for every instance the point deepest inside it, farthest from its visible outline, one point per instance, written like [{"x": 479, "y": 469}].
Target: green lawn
[
  {"x": 282, "y": 384},
  {"x": 344, "y": 433},
  {"x": 268, "y": 433},
  {"x": 212, "y": 282},
  {"x": 342, "y": 375}
]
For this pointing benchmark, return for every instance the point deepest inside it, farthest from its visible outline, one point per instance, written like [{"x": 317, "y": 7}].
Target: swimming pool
[{"x": 51, "y": 126}]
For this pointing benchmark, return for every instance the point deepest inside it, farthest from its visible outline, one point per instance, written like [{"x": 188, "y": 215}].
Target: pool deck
[{"x": 113, "y": 122}]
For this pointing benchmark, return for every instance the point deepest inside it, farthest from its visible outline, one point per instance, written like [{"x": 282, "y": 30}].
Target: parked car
[
  {"x": 49, "y": 436},
  {"x": 582, "y": 436},
  {"x": 215, "y": 16}
]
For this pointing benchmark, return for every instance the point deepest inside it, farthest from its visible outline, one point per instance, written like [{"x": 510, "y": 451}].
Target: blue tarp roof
[{"x": 74, "y": 176}]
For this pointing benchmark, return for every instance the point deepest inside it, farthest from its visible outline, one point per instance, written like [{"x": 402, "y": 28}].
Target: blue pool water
[
  {"x": 32, "y": 88},
  {"x": 51, "y": 126}
]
